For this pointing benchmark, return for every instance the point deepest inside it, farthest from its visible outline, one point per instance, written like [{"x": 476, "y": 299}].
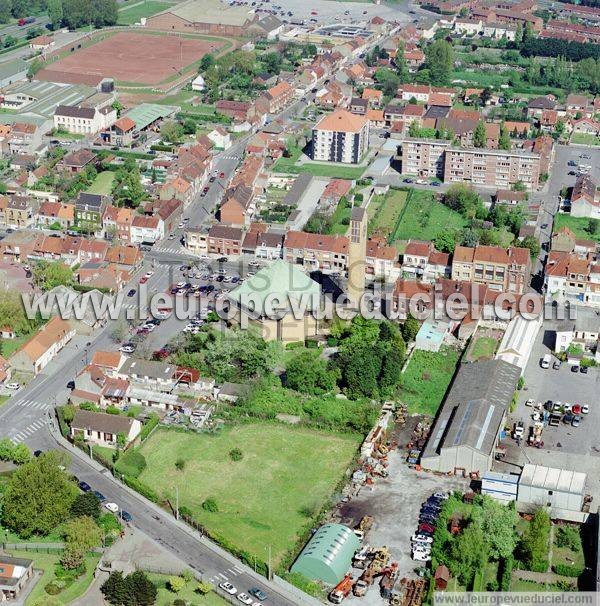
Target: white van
[{"x": 545, "y": 362}]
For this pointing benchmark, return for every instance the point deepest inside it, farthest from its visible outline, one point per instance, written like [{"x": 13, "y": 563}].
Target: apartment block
[
  {"x": 316, "y": 251},
  {"x": 424, "y": 157},
  {"x": 491, "y": 167},
  {"x": 499, "y": 269},
  {"x": 341, "y": 137}
]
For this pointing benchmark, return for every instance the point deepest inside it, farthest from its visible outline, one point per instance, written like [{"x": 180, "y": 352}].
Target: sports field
[
  {"x": 285, "y": 476},
  {"x": 132, "y": 57}
]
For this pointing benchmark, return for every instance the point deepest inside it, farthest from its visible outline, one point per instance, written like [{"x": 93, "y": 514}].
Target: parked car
[
  {"x": 258, "y": 593},
  {"x": 127, "y": 348},
  {"x": 583, "y": 369},
  {"x": 71, "y": 385},
  {"x": 12, "y": 385},
  {"x": 556, "y": 365},
  {"x": 575, "y": 368},
  {"x": 131, "y": 292},
  {"x": 422, "y": 538},
  {"x": 421, "y": 557},
  {"x": 100, "y": 496},
  {"x": 519, "y": 430},
  {"x": 441, "y": 495},
  {"x": 112, "y": 507},
  {"x": 575, "y": 421},
  {"x": 585, "y": 409},
  {"x": 126, "y": 516},
  {"x": 85, "y": 487},
  {"x": 244, "y": 598},
  {"x": 228, "y": 587}
]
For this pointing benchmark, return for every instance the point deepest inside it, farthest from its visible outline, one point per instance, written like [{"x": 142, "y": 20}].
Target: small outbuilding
[
  {"x": 328, "y": 555},
  {"x": 441, "y": 576}
]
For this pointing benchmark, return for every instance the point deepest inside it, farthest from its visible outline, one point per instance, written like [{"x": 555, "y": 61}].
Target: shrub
[
  {"x": 332, "y": 342},
  {"x": 140, "y": 487},
  {"x": 132, "y": 463},
  {"x": 180, "y": 464},
  {"x": 505, "y": 578},
  {"x": 52, "y": 589},
  {"x": 235, "y": 454},
  {"x": 203, "y": 588},
  {"x": 176, "y": 584},
  {"x": 211, "y": 505},
  {"x": 568, "y": 536},
  {"x": 112, "y": 410},
  {"x": 566, "y": 570},
  {"x": 149, "y": 425}
]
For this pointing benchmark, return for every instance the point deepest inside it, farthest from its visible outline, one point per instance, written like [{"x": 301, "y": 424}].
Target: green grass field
[
  {"x": 166, "y": 597},
  {"x": 423, "y": 218},
  {"x": 427, "y": 378},
  {"x": 132, "y": 14},
  {"x": 47, "y": 563},
  {"x": 578, "y": 225},
  {"x": 318, "y": 169},
  {"x": 483, "y": 348},
  {"x": 585, "y": 139},
  {"x": 9, "y": 346},
  {"x": 267, "y": 498},
  {"x": 385, "y": 213},
  {"x": 103, "y": 183}
]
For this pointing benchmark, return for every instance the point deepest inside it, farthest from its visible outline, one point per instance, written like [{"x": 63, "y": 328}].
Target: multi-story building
[
  {"x": 316, "y": 251},
  {"x": 424, "y": 157},
  {"x": 573, "y": 278},
  {"x": 491, "y": 167},
  {"x": 196, "y": 241},
  {"x": 146, "y": 229},
  {"x": 89, "y": 209},
  {"x": 225, "y": 240},
  {"x": 341, "y": 137},
  {"x": 584, "y": 201},
  {"x": 84, "y": 120},
  {"x": 20, "y": 212},
  {"x": 499, "y": 269}
]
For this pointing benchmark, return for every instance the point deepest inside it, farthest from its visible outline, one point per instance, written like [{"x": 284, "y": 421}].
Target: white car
[
  {"x": 441, "y": 495},
  {"x": 127, "y": 349},
  {"x": 567, "y": 407},
  {"x": 228, "y": 587},
  {"x": 530, "y": 402},
  {"x": 112, "y": 507},
  {"x": 14, "y": 386},
  {"x": 422, "y": 557},
  {"x": 171, "y": 236},
  {"x": 421, "y": 538},
  {"x": 585, "y": 409},
  {"x": 181, "y": 226},
  {"x": 149, "y": 274},
  {"x": 244, "y": 598}
]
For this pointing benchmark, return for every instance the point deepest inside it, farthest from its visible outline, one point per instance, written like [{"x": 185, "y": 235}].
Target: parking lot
[
  {"x": 565, "y": 446},
  {"x": 394, "y": 503}
]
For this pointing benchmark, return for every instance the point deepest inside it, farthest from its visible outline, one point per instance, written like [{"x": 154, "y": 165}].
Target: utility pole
[{"x": 177, "y": 502}]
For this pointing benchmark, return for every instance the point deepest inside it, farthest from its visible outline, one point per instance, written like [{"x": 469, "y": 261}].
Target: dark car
[
  {"x": 85, "y": 486},
  {"x": 436, "y": 184},
  {"x": 408, "y": 180},
  {"x": 428, "y": 508},
  {"x": 37, "y": 453},
  {"x": 575, "y": 368},
  {"x": 210, "y": 288},
  {"x": 583, "y": 369},
  {"x": 100, "y": 496},
  {"x": 222, "y": 259},
  {"x": 219, "y": 278},
  {"x": 259, "y": 594},
  {"x": 427, "y": 520},
  {"x": 568, "y": 418},
  {"x": 212, "y": 179},
  {"x": 572, "y": 173},
  {"x": 126, "y": 516},
  {"x": 131, "y": 292},
  {"x": 71, "y": 385}
]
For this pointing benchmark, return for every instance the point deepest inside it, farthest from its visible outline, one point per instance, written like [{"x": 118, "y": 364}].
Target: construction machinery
[
  {"x": 341, "y": 590},
  {"x": 365, "y": 524},
  {"x": 388, "y": 579},
  {"x": 408, "y": 592},
  {"x": 361, "y": 557},
  {"x": 535, "y": 434},
  {"x": 376, "y": 568}
]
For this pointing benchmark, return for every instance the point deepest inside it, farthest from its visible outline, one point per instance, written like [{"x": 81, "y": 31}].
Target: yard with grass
[
  {"x": 585, "y": 139},
  {"x": 318, "y": 169},
  {"x": 47, "y": 563},
  {"x": 269, "y": 497},
  {"x": 483, "y": 348},
  {"x": 9, "y": 346},
  {"x": 384, "y": 212},
  {"x": 132, "y": 14},
  {"x": 423, "y": 218},
  {"x": 102, "y": 184},
  {"x": 578, "y": 225},
  {"x": 427, "y": 378},
  {"x": 166, "y": 597}
]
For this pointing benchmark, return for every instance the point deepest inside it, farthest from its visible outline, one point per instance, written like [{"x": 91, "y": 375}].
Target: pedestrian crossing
[
  {"x": 34, "y": 404},
  {"x": 23, "y": 434},
  {"x": 220, "y": 577},
  {"x": 173, "y": 248}
]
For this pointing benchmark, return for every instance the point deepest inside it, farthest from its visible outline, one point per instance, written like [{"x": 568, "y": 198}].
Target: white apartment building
[{"x": 341, "y": 137}]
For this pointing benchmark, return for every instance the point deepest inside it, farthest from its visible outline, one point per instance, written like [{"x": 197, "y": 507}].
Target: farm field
[
  {"x": 427, "y": 378},
  {"x": 267, "y": 498},
  {"x": 423, "y": 218}
]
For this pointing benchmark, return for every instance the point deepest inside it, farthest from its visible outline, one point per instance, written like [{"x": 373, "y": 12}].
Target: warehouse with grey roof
[{"x": 466, "y": 430}]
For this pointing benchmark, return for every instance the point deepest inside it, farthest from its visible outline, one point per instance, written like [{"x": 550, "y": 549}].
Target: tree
[
  {"x": 49, "y": 274},
  {"x": 414, "y": 130},
  {"x": 439, "y": 61},
  {"x": 463, "y": 199},
  {"x": 593, "y": 227},
  {"x": 5, "y": 11},
  {"x": 86, "y": 504},
  {"x": 468, "y": 553},
  {"x": 203, "y": 588},
  {"x": 391, "y": 369},
  {"x": 445, "y": 242},
  {"x": 388, "y": 79},
  {"x": 34, "y": 67},
  {"x": 115, "y": 589},
  {"x": 534, "y": 543},
  {"x": 21, "y": 454},
  {"x": 410, "y": 328},
  {"x": 480, "y": 135},
  {"x": 72, "y": 557},
  {"x": 532, "y": 244},
  {"x": 171, "y": 131},
  {"x": 486, "y": 95},
  {"x": 176, "y": 584},
  {"x": 207, "y": 62},
  {"x": 38, "y": 497},
  {"x": 308, "y": 373},
  {"x": 118, "y": 107},
  {"x": 7, "y": 449},
  {"x": 504, "y": 141},
  {"x": 55, "y": 12},
  {"x": 272, "y": 62},
  {"x": 142, "y": 590}
]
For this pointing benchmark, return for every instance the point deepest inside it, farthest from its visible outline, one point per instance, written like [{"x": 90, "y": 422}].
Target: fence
[{"x": 51, "y": 548}]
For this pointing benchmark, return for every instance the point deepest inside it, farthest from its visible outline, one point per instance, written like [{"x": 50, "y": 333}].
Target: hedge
[
  {"x": 567, "y": 571},
  {"x": 506, "y": 576},
  {"x": 140, "y": 487},
  {"x": 149, "y": 425}
]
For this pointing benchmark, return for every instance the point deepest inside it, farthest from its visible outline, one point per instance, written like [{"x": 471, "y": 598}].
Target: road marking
[
  {"x": 222, "y": 575},
  {"x": 240, "y": 570}
]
